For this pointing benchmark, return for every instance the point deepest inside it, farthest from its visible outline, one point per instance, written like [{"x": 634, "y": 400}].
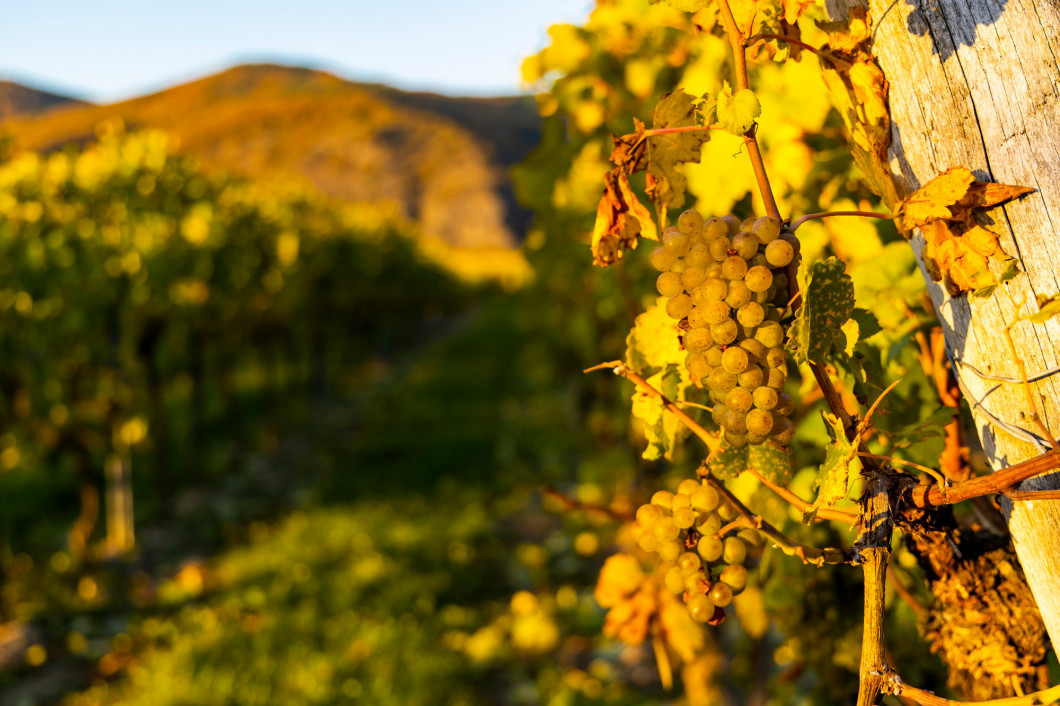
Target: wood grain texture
[{"x": 977, "y": 83}]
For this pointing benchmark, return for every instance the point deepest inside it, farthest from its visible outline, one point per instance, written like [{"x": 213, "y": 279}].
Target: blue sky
[{"x": 108, "y": 50}]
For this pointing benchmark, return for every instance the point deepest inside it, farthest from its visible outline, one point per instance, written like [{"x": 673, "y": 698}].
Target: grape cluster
[
  {"x": 725, "y": 283},
  {"x": 705, "y": 568}
]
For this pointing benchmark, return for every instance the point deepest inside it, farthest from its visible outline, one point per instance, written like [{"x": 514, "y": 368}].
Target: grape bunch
[
  {"x": 684, "y": 528},
  {"x": 725, "y": 282}
]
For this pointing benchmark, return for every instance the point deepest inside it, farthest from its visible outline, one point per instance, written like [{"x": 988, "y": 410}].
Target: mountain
[
  {"x": 16, "y": 99},
  {"x": 440, "y": 161}
]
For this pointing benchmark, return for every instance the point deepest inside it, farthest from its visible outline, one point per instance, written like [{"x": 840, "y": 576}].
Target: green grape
[
  {"x": 719, "y": 248},
  {"x": 734, "y": 267},
  {"x": 679, "y": 306},
  {"x": 738, "y": 294},
  {"x": 775, "y": 378},
  {"x": 708, "y": 524},
  {"x": 669, "y": 551},
  {"x": 734, "y": 576},
  {"x": 718, "y": 413},
  {"x": 705, "y": 499},
  {"x": 721, "y": 381},
  {"x": 720, "y": 594},
  {"x": 754, "y": 348},
  {"x": 783, "y": 431},
  {"x": 688, "y": 486},
  {"x": 697, "y": 365},
  {"x": 728, "y": 512},
  {"x": 665, "y": 530},
  {"x": 758, "y": 260},
  {"x": 735, "y": 551},
  {"x": 759, "y": 422},
  {"x": 698, "y": 339},
  {"x": 681, "y": 500},
  {"x": 732, "y": 222},
  {"x": 690, "y": 221},
  {"x": 738, "y": 400},
  {"x": 769, "y": 333},
  {"x": 692, "y": 277},
  {"x": 649, "y": 513},
  {"x": 689, "y": 564},
  {"x": 713, "y": 356},
  {"x": 723, "y": 332},
  {"x": 785, "y": 405},
  {"x": 700, "y": 608},
  {"x": 753, "y": 538},
  {"x": 695, "y": 317},
  {"x": 710, "y": 548},
  {"x": 779, "y": 253},
  {"x": 663, "y": 498},
  {"x": 775, "y": 357},
  {"x": 715, "y": 312},
  {"x": 748, "y": 223},
  {"x": 676, "y": 242},
  {"x": 751, "y": 314},
  {"x": 698, "y": 255},
  {"x": 714, "y": 289},
  {"x": 764, "y": 398},
  {"x": 755, "y": 439},
  {"x": 669, "y": 284},
  {"x": 715, "y": 228},
  {"x": 780, "y": 281},
  {"x": 767, "y": 229},
  {"x": 745, "y": 244},
  {"x": 735, "y": 360},
  {"x": 751, "y": 379},
  {"x": 758, "y": 279},
  {"x": 735, "y": 422},
  {"x": 662, "y": 260},
  {"x": 736, "y": 440},
  {"x": 674, "y": 581}
]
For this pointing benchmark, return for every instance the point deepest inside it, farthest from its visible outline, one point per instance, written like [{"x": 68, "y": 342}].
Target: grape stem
[
  {"x": 570, "y": 503},
  {"x": 619, "y": 368},
  {"x": 828, "y": 214},
  {"x": 809, "y": 555},
  {"x": 673, "y": 130},
  {"x": 926, "y": 698}
]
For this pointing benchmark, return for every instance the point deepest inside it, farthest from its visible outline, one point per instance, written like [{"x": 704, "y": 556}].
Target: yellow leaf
[
  {"x": 981, "y": 240},
  {"x": 620, "y": 217},
  {"x": 932, "y": 200}
]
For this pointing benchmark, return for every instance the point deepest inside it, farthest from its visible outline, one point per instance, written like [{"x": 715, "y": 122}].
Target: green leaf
[
  {"x": 666, "y": 183},
  {"x": 828, "y": 301},
  {"x": 932, "y": 426},
  {"x": 851, "y": 332},
  {"x": 706, "y": 109},
  {"x": 1048, "y": 307},
  {"x": 1011, "y": 270},
  {"x": 833, "y": 480},
  {"x": 653, "y": 342},
  {"x": 729, "y": 461},
  {"x": 737, "y": 111},
  {"x": 772, "y": 461},
  {"x": 662, "y": 429},
  {"x": 868, "y": 324}
]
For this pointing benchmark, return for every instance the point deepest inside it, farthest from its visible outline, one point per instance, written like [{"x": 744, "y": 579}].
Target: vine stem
[
  {"x": 619, "y": 368},
  {"x": 827, "y": 56},
  {"x": 828, "y": 214},
  {"x": 570, "y": 503},
  {"x": 926, "y": 698},
  {"x": 800, "y": 504},
  {"x": 1003, "y": 482},
  {"x": 809, "y": 555},
  {"x": 739, "y": 53},
  {"x": 673, "y": 130}
]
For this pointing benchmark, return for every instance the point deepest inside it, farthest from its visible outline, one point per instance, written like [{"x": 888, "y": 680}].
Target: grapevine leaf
[
  {"x": 666, "y": 183},
  {"x": 737, "y": 111},
  {"x": 662, "y": 429},
  {"x": 793, "y": 9},
  {"x": 1048, "y": 307},
  {"x": 653, "y": 343},
  {"x": 932, "y": 201},
  {"x": 706, "y": 109},
  {"x": 744, "y": 13},
  {"x": 984, "y": 194},
  {"x": 828, "y": 300},
  {"x": 868, "y": 324},
  {"x": 689, "y": 5},
  {"x": 833, "y": 481},
  {"x": 628, "y": 151},
  {"x": 729, "y": 461},
  {"x": 851, "y": 331},
  {"x": 772, "y": 461},
  {"x": 932, "y": 426},
  {"x": 620, "y": 217},
  {"x": 1011, "y": 270}
]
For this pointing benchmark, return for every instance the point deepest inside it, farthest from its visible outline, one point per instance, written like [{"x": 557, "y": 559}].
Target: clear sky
[{"x": 106, "y": 50}]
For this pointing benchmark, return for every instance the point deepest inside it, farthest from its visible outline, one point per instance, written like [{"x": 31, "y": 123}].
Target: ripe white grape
[
  {"x": 698, "y": 255},
  {"x": 766, "y": 229},
  {"x": 735, "y": 360},
  {"x": 690, "y": 221},
  {"x": 676, "y": 242},
  {"x": 751, "y": 314},
  {"x": 669, "y": 284},
  {"x": 662, "y": 260},
  {"x": 759, "y": 422},
  {"x": 738, "y": 294},
  {"x": 779, "y": 253},
  {"x": 734, "y": 267},
  {"x": 679, "y": 306},
  {"x": 715, "y": 228},
  {"x": 692, "y": 277},
  {"x": 745, "y": 244},
  {"x": 758, "y": 279}
]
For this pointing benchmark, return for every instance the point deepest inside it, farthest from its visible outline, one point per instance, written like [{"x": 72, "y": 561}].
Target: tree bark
[{"x": 976, "y": 83}]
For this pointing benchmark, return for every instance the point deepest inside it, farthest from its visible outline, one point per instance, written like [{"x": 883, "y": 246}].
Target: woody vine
[{"x": 738, "y": 311}]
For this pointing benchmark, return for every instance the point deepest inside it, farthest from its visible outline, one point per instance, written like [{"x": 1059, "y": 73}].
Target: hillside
[
  {"x": 16, "y": 99},
  {"x": 440, "y": 161}
]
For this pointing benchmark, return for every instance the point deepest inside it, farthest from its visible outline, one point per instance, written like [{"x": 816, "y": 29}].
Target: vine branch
[{"x": 802, "y": 505}]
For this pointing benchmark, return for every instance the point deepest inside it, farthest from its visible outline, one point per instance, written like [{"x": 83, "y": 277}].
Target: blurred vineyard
[{"x": 262, "y": 446}]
